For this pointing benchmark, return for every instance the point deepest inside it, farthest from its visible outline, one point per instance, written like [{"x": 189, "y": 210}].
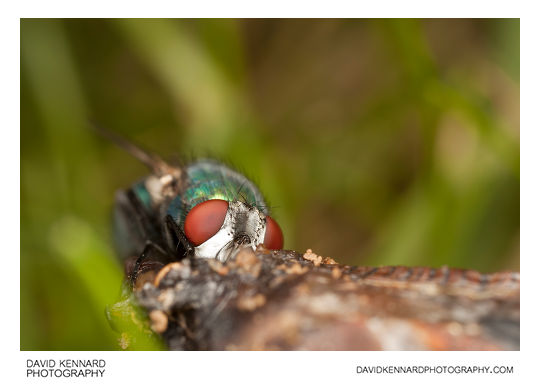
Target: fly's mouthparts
[{"x": 242, "y": 238}]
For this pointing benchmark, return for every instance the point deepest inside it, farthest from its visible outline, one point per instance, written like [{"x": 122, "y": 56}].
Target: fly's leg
[
  {"x": 136, "y": 230},
  {"x": 153, "y": 257},
  {"x": 177, "y": 239}
]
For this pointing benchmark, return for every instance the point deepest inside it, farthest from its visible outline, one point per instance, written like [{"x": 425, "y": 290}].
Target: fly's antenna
[{"x": 156, "y": 164}]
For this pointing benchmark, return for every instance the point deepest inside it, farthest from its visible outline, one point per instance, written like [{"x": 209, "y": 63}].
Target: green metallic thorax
[{"x": 207, "y": 180}]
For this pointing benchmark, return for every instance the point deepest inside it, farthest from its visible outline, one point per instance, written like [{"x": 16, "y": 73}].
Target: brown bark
[{"x": 283, "y": 300}]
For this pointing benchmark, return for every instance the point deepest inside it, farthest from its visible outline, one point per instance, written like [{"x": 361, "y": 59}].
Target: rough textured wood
[{"x": 283, "y": 300}]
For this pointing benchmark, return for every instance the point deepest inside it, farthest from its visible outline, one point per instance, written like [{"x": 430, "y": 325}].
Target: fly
[{"x": 202, "y": 209}]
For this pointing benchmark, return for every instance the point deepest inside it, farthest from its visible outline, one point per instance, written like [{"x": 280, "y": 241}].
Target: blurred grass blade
[
  {"x": 190, "y": 75},
  {"x": 92, "y": 262}
]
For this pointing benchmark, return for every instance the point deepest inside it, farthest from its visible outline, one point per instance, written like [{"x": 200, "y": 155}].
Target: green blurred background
[{"x": 376, "y": 141}]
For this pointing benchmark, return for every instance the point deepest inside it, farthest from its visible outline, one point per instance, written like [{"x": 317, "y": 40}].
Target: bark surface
[{"x": 284, "y": 300}]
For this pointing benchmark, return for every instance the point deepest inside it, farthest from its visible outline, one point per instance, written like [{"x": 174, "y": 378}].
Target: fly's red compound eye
[
  {"x": 273, "y": 238},
  {"x": 204, "y": 220}
]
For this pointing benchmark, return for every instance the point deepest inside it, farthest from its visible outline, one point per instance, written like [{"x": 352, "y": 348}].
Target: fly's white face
[{"x": 244, "y": 226}]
